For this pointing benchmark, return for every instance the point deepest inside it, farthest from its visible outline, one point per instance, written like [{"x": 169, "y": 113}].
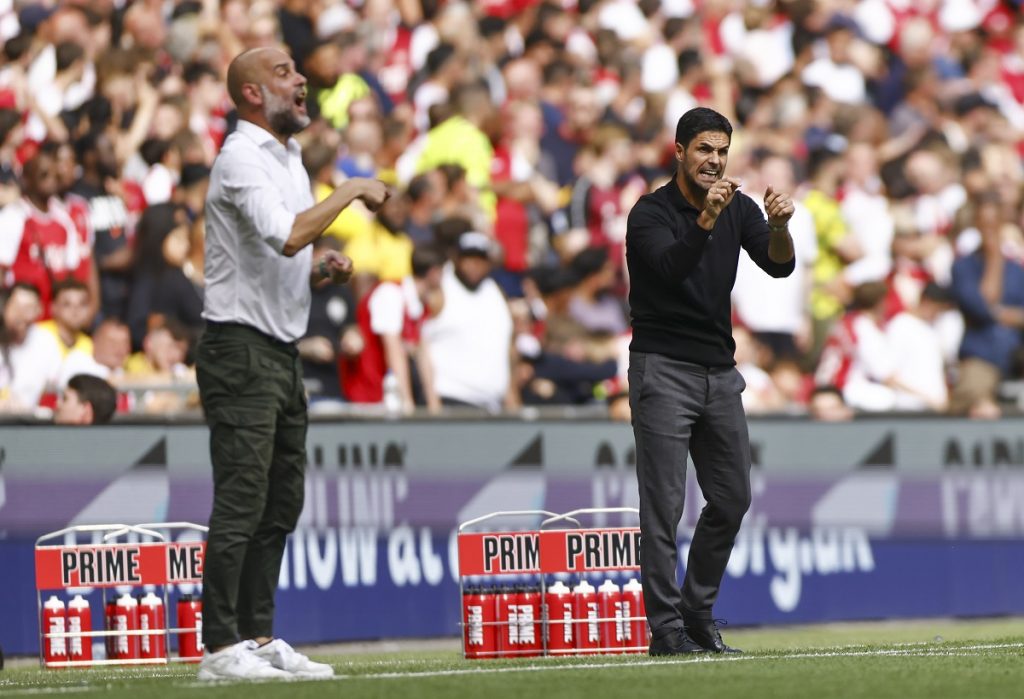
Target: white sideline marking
[
  {"x": 704, "y": 658},
  {"x": 905, "y": 650}
]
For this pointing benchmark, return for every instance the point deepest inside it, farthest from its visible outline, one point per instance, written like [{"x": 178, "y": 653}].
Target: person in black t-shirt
[
  {"x": 682, "y": 245},
  {"x": 333, "y": 311}
]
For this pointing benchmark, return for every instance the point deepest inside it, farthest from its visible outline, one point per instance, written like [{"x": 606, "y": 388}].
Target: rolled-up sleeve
[{"x": 250, "y": 189}]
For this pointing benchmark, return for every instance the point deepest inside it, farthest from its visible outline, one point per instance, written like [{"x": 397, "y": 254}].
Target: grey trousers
[{"x": 679, "y": 407}]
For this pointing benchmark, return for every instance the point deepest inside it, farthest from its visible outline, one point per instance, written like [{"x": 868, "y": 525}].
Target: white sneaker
[
  {"x": 238, "y": 662},
  {"x": 283, "y": 657}
]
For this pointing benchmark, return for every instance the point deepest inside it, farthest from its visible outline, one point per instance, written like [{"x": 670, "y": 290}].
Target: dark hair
[
  {"x": 698, "y": 120},
  {"x": 67, "y": 53},
  {"x": 868, "y": 295},
  {"x": 491, "y": 26},
  {"x": 17, "y": 46},
  {"x": 447, "y": 232},
  {"x": 153, "y": 150},
  {"x": 937, "y": 294},
  {"x": 5, "y": 336},
  {"x": 438, "y": 56},
  {"x": 453, "y": 173},
  {"x": 556, "y": 70},
  {"x": 9, "y": 119},
  {"x": 688, "y": 59},
  {"x": 97, "y": 393},
  {"x": 589, "y": 261},
  {"x": 23, "y": 286},
  {"x": 829, "y": 389},
  {"x": 819, "y": 158},
  {"x": 68, "y": 284},
  {"x": 195, "y": 70},
  {"x": 49, "y": 148},
  {"x": 193, "y": 173},
  {"x": 426, "y": 258},
  {"x": 419, "y": 187}
]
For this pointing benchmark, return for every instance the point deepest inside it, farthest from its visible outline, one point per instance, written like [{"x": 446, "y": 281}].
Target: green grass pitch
[{"x": 929, "y": 659}]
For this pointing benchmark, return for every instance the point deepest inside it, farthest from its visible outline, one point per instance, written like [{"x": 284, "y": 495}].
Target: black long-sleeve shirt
[{"x": 681, "y": 277}]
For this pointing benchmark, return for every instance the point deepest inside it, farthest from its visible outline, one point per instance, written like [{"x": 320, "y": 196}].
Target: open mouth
[
  {"x": 300, "y": 99},
  {"x": 709, "y": 174}
]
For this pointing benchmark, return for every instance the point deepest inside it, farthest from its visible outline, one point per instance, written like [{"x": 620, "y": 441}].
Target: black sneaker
[
  {"x": 672, "y": 641},
  {"x": 704, "y": 633}
]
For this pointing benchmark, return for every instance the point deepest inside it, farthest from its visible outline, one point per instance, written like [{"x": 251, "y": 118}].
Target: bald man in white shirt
[{"x": 261, "y": 219}]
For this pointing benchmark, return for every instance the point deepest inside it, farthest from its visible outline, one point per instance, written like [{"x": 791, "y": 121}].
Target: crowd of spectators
[{"x": 517, "y": 135}]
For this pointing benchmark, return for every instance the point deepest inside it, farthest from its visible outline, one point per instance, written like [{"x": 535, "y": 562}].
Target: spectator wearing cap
[
  {"x": 989, "y": 289},
  {"x": 470, "y": 339},
  {"x": 87, "y": 400}
]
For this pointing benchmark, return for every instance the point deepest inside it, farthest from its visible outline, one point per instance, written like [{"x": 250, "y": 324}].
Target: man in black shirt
[{"x": 682, "y": 245}]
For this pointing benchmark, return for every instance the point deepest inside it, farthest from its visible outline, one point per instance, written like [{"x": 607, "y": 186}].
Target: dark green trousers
[{"x": 251, "y": 390}]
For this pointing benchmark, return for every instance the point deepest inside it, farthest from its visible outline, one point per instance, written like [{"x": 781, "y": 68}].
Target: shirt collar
[
  {"x": 262, "y": 137},
  {"x": 676, "y": 198}
]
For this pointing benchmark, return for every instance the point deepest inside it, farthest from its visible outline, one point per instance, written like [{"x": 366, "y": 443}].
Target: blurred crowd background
[{"x": 517, "y": 135}]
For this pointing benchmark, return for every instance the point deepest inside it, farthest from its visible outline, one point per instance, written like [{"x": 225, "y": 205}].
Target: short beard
[
  {"x": 279, "y": 114},
  {"x": 465, "y": 282},
  {"x": 692, "y": 183}
]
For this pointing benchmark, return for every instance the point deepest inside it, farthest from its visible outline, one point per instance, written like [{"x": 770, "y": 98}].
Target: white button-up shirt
[{"x": 257, "y": 187}]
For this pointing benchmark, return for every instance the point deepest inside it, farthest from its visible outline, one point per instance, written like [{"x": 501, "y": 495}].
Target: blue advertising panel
[{"x": 862, "y": 520}]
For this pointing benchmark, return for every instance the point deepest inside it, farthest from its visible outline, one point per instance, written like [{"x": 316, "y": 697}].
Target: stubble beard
[{"x": 280, "y": 114}]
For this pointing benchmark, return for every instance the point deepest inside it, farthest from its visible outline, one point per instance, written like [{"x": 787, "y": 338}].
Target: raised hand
[
  {"x": 336, "y": 267},
  {"x": 718, "y": 197},
  {"x": 778, "y": 206},
  {"x": 374, "y": 193}
]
